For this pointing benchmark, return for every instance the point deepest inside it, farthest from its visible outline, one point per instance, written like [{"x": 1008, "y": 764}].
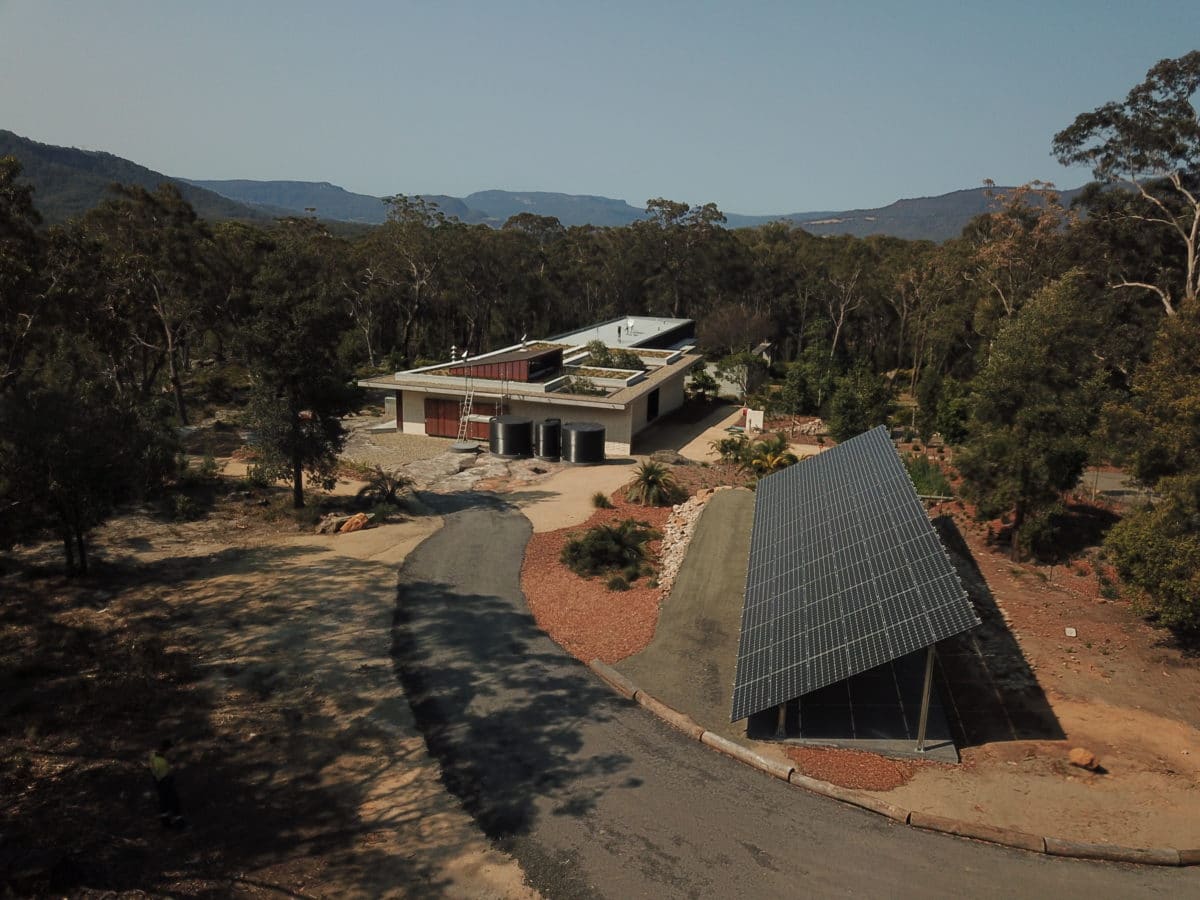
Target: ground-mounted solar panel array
[{"x": 846, "y": 573}]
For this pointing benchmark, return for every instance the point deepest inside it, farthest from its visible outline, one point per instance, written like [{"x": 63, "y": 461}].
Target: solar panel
[{"x": 846, "y": 573}]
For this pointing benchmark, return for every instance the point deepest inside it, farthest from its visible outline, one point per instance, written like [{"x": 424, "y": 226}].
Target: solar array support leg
[
  {"x": 925, "y": 700},
  {"x": 781, "y": 722}
]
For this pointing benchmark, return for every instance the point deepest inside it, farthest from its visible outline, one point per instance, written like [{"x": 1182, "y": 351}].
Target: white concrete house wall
[{"x": 622, "y": 412}]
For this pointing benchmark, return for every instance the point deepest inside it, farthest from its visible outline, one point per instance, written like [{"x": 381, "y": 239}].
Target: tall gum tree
[
  {"x": 158, "y": 259},
  {"x": 1150, "y": 143}
]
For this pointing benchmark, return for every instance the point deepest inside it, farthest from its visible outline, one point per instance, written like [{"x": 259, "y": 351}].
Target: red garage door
[{"x": 441, "y": 419}]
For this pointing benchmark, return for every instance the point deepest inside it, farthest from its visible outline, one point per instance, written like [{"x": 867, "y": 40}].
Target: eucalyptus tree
[
  {"x": 405, "y": 260},
  {"x": 680, "y": 241},
  {"x": 1017, "y": 248},
  {"x": 157, "y": 273},
  {"x": 72, "y": 451},
  {"x": 1034, "y": 405},
  {"x": 1150, "y": 144}
]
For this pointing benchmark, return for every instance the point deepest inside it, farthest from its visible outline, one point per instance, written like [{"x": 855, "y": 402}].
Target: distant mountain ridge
[
  {"x": 922, "y": 218},
  {"x": 69, "y": 181}
]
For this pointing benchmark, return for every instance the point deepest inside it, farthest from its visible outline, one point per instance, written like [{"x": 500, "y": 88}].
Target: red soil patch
[
  {"x": 582, "y": 615},
  {"x": 853, "y": 768},
  {"x": 692, "y": 479}
]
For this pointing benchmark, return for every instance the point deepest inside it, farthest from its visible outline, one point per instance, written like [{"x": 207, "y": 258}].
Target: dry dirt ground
[
  {"x": 264, "y": 653},
  {"x": 1125, "y": 690}
]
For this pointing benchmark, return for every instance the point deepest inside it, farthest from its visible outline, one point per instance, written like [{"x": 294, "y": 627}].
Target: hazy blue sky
[{"x": 766, "y": 107}]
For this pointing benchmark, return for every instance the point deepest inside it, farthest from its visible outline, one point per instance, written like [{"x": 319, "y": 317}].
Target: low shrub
[
  {"x": 605, "y": 549},
  {"x": 654, "y": 485},
  {"x": 384, "y": 487},
  {"x": 600, "y": 500},
  {"x": 258, "y": 477},
  {"x": 385, "y": 512},
  {"x": 209, "y": 467},
  {"x": 184, "y": 508},
  {"x": 927, "y": 476}
]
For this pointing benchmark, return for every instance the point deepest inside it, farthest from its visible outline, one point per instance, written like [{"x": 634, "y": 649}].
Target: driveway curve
[{"x": 597, "y": 798}]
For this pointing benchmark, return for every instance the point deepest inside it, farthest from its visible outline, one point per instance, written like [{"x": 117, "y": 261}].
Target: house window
[{"x": 652, "y": 405}]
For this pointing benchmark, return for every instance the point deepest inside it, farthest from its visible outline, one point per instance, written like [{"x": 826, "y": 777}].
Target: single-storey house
[{"x": 550, "y": 378}]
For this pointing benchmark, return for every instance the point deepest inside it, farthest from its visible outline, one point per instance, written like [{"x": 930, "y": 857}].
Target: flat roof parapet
[{"x": 629, "y": 332}]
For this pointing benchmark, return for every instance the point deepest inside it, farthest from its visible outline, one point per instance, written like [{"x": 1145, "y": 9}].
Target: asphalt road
[{"x": 597, "y": 798}]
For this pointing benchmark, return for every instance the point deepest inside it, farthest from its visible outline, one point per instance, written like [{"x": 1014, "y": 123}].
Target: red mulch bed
[
  {"x": 581, "y": 614},
  {"x": 587, "y": 619},
  {"x": 854, "y": 768}
]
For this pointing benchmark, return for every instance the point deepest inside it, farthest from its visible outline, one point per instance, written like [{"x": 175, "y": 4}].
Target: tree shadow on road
[{"x": 500, "y": 705}]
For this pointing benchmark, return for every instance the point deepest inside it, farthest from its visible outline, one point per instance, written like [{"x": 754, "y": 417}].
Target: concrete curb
[
  {"x": 672, "y": 717},
  {"x": 614, "y": 679},
  {"x": 854, "y": 798},
  {"x": 1006, "y": 837},
  {"x": 779, "y": 770},
  {"x": 1155, "y": 856},
  {"x": 990, "y": 833}
]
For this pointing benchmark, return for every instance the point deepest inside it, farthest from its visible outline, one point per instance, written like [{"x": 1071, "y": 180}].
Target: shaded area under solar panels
[
  {"x": 845, "y": 574},
  {"x": 877, "y": 710}
]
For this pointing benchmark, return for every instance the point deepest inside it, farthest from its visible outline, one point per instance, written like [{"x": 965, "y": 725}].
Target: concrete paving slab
[{"x": 690, "y": 663}]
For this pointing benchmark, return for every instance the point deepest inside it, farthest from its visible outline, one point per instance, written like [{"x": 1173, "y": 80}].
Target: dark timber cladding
[
  {"x": 517, "y": 365},
  {"x": 846, "y": 573}
]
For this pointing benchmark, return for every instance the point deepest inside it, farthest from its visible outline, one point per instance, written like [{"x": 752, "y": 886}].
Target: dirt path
[
  {"x": 300, "y": 765},
  {"x": 307, "y": 620}
]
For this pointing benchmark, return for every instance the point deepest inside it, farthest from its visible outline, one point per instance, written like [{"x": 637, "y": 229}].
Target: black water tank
[
  {"x": 583, "y": 442},
  {"x": 547, "y": 439},
  {"x": 510, "y": 436}
]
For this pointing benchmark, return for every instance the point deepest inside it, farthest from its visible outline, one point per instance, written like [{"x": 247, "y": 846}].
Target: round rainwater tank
[
  {"x": 510, "y": 436},
  {"x": 583, "y": 442},
  {"x": 547, "y": 439}
]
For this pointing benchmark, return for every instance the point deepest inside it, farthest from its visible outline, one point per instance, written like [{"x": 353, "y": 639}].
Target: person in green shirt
[{"x": 169, "y": 811}]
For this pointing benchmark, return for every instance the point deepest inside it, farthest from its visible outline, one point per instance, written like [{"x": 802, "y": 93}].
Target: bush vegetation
[
  {"x": 384, "y": 488},
  {"x": 927, "y": 476},
  {"x": 619, "y": 548},
  {"x": 654, "y": 485}
]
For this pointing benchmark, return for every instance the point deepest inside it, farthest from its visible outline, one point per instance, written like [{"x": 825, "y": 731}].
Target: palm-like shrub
[
  {"x": 653, "y": 485},
  {"x": 384, "y": 487},
  {"x": 770, "y": 455},
  {"x": 620, "y": 547},
  {"x": 732, "y": 449}
]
